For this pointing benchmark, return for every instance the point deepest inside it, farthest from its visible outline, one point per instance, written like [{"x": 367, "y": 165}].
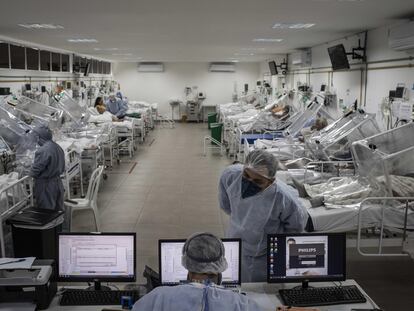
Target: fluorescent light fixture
[
  {"x": 105, "y": 49},
  {"x": 253, "y": 49},
  {"x": 122, "y": 54},
  {"x": 292, "y": 26},
  {"x": 244, "y": 54},
  {"x": 82, "y": 40},
  {"x": 41, "y": 26},
  {"x": 267, "y": 40}
]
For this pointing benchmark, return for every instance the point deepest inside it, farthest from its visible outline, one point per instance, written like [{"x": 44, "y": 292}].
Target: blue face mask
[{"x": 249, "y": 188}]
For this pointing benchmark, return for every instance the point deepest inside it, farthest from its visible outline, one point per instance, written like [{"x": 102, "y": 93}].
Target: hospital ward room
[{"x": 207, "y": 155}]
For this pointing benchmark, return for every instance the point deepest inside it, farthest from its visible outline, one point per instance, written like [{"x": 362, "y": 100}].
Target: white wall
[
  {"x": 170, "y": 84},
  {"x": 350, "y": 85}
]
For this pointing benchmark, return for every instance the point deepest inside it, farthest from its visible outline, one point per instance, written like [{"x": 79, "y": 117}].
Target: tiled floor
[{"x": 172, "y": 193}]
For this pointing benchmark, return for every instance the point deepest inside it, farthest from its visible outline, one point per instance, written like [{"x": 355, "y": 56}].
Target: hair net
[
  {"x": 44, "y": 132},
  {"x": 263, "y": 162},
  {"x": 204, "y": 253}
]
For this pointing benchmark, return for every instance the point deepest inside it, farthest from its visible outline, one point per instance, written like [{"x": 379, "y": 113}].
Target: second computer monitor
[
  {"x": 306, "y": 257},
  {"x": 172, "y": 272}
]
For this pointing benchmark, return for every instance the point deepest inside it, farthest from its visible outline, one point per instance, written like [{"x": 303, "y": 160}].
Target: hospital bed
[
  {"x": 334, "y": 142},
  {"x": 272, "y": 140},
  {"x": 385, "y": 160},
  {"x": 33, "y": 112}
]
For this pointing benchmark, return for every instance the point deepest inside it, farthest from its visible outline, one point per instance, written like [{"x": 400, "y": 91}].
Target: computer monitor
[
  {"x": 338, "y": 56},
  {"x": 96, "y": 257},
  {"x": 304, "y": 257},
  {"x": 273, "y": 68},
  {"x": 173, "y": 273}
]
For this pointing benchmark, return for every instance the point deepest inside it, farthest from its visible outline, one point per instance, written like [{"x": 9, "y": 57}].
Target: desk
[{"x": 262, "y": 293}]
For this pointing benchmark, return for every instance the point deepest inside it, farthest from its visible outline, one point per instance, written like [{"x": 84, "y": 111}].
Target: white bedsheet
[{"x": 346, "y": 219}]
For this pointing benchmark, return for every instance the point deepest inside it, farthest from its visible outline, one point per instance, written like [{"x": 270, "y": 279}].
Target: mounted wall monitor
[
  {"x": 32, "y": 59},
  {"x": 17, "y": 57},
  {"x": 55, "y": 62},
  {"x": 65, "y": 63},
  {"x": 4, "y": 55},
  {"x": 87, "y": 69},
  {"x": 273, "y": 68},
  {"x": 45, "y": 63},
  {"x": 338, "y": 57}
]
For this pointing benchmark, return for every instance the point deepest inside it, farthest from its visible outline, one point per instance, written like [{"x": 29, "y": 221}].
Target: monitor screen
[
  {"x": 96, "y": 256},
  {"x": 299, "y": 257},
  {"x": 338, "y": 57},
  {"x": 273, "y": 68},
  {"x": 172, "y": 272}
]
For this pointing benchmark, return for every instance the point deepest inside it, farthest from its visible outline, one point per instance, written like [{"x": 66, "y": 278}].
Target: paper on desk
[
  {"x": 26, "y": 264},
  {"x": 18, "y": 306}
]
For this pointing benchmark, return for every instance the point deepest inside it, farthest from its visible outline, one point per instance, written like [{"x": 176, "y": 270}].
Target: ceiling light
[
  {"x": 267, "y": 40},
  {"x": 82, "y": 40},
  {"x": 292, "y": 26},
  {"x": 253, "y": 49},
  {"x": 244, "y": 54},
  {"x": 105, "y": 49},
  {"x": 41, "y": 26}
]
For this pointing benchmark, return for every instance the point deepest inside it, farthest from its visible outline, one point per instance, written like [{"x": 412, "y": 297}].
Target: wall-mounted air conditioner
[
  {"x": 150, "y": 67},
  {"x": 222, "y": 67},
  {"x": 401, "y": 37},
  {"x": 302, "y": 58}
]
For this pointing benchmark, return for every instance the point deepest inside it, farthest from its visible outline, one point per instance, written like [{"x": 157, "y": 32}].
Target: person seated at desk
[
  {"x": 258, "y": 205},
  {"x": 116, "y": 106},
  {"x": 203, "y": 257}
]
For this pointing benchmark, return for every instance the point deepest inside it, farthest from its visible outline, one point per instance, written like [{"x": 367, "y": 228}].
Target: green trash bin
[
  {"x": 216, "y": 130},
  {"x": 211, "y": 118}
]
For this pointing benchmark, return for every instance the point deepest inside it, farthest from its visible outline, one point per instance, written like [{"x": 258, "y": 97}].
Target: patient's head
[{"x": 101, "y": 109}]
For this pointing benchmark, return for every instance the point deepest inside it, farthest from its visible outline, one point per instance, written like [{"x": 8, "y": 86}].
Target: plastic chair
[{"x": 90, "y": 201}]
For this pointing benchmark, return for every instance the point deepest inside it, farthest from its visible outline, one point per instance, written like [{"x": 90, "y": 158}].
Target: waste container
[
  {"x": 211, "y": 118},
  {"x": 34, "y": 232},
  {"x": 216, "y": 130}
]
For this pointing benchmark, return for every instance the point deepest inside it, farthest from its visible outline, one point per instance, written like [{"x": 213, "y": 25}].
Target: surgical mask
[{"x": 249, "y": 188}]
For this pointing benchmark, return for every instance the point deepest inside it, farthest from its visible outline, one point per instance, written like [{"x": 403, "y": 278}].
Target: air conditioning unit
[
  {"x": 222, "y": 67},
  {"x": 302, "y": 58},
  {"x": 150, "y": 67},
  {"x": 401, "y": 37}
]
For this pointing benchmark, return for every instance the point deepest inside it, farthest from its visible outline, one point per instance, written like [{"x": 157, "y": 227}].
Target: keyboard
[
  {"x": 81, "y": 297},
  {"x": 321, "y": 296}
]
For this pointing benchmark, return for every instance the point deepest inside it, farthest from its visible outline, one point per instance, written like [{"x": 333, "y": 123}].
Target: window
[
  {"x": 18, "y": 59},
  {"x": 4, "y": 55},
  {"x": 94, "y": 66},
  {"x": 76, "y": 64},
  {"x": 55, "y": 62},
  {"x": 65, "y": 63},
  {"x": 45, "y": 60},
  {"x": 32, "y": 59},
  {"x": 100, "y": 65}
]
